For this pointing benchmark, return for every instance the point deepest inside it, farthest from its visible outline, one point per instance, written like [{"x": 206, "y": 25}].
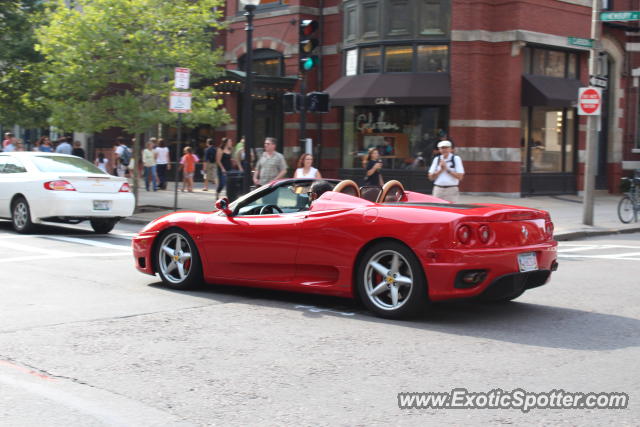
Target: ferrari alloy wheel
[
  {"x": 21, "y": 216},
  {"x": 178, "y": 261},
  {"x": 390, "y": 281}
]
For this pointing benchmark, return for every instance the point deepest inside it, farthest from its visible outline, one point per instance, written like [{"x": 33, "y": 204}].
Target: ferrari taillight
[
  {"x": 59, "y": 185},
  {"x": 484, "y": 233},
  {"x": 125, "y": 188},
  {"x": 464, "y": 234}
]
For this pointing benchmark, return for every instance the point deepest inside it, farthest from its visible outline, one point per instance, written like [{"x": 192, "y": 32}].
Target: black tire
[
  {"x": 369, "y": 279},
  {"x": 21, "y": 216},
  {"x": 626, "y": 213},
  {"x": 187, "y": 277},
  {"x": 103, "y": 225}
]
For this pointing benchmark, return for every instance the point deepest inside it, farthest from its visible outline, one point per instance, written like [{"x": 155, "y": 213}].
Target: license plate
[
  {"x": 527, "y": 261},
  {"x": 101, "y": 205}
]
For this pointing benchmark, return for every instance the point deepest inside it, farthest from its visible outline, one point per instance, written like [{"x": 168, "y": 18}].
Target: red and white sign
[
  {"x": 589, "y": 101},
  {"x": 180, "y": 102},
  {"x": 182, "y": 76}
]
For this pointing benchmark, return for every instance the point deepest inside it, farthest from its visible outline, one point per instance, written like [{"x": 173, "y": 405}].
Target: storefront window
[
  {"x": 548, "y": 139},
  {"x": 433, "y": 58},
  {"x": 405, "y": 136},
  {"x": 398, "y": 59},
  {"x": 371, "y": 60},
  {"x": 552, "y": 63}
]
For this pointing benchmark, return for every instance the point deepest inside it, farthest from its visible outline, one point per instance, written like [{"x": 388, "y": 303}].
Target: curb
[{"x": 573, "y": 235}]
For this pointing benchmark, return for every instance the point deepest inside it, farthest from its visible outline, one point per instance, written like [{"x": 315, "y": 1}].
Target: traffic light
[
  {"x": 291, "y": 102},
  {"x": 308, "y": 43},
  {"x": 318, "y": 102}
]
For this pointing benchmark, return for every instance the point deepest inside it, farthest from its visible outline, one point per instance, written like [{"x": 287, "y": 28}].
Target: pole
[
  {"x": 178, "y": 151},
  {"x": 303, "y": 111},
  {"x": 592, "y": 124},
  {"x": 247, "y": 104}
]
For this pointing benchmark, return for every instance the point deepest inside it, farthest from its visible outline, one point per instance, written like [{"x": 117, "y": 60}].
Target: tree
[
  {"x": 110, "y": 63},
  {"x": 21, "y": 95}
]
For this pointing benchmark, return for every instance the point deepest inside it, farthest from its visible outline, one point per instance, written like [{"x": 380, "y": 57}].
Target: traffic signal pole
[
  {"x": 592, "y": 124},
  {"x": 303, "y": 112}
]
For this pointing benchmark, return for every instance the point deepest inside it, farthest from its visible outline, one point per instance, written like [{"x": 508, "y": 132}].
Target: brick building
[{"x": 498, "y": 77}]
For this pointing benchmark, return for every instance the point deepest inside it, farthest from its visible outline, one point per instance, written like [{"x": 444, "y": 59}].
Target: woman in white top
[
  {"x": 162, "y": 162},
  {"x": 305, "y": 168},
  {"x": 101, "y": 162}
]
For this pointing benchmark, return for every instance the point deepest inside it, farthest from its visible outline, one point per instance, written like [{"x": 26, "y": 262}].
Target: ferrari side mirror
[{"x": 223, "y": 205}]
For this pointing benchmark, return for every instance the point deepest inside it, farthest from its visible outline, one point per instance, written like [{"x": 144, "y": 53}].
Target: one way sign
[{"x": 598, "y": 81}]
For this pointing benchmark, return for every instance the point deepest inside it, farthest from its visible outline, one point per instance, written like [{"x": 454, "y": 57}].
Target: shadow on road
[{"x": 514, "y": 322}]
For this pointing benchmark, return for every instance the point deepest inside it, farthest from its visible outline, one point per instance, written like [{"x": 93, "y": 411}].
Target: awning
[
  {"x": 233, "y": 81},
  {"x": 549, "y": 91},
  {"x": 391, "y": 89}
]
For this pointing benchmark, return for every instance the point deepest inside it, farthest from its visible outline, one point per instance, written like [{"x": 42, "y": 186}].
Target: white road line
[
  {"x": 125, "y": 236},
  {"x": 57, "y": 255},
  {"x": 90, "y": 242},
  {"x": 577, "y": 248},
  {"x": 628, "y": 256}
]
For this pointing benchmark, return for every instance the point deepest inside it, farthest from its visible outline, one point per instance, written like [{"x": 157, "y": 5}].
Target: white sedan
[{"x": 37, "y": 187}]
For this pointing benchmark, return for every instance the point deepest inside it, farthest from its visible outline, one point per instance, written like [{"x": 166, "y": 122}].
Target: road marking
[
  {"x": 628, "y": 256},
  {"x": 89, "y": 242},
  {"x": 314, "y": 309},
  {"x": 125, "y": 236},
  {"x": 57, "y": 255}
]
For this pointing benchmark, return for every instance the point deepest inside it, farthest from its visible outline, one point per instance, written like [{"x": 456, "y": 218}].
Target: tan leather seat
[
  {"x": 392, "y": 191},
  {"x": 347, "y": 187}
]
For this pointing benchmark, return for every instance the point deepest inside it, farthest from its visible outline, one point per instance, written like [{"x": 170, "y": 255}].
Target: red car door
[{"x": 258, "y": 247}]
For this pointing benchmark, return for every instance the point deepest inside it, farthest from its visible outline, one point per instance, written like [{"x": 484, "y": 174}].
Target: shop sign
[
  {"x": 383, "y": 101},
  {"x": 589, "y": 101},
  {"x": 352, "y": 63}
]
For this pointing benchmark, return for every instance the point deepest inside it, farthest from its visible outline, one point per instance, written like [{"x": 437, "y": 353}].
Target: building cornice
[
  {"x": 286, "y": 10},
  {"x": 513, "y": 36}
]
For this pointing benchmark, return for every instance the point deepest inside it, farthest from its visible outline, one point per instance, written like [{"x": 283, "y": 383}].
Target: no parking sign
[{"x": 589, "y": 101}]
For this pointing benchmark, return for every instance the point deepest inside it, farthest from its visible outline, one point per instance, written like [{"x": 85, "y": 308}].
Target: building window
[
  {"x": 548, "y": 139},
  {"x": 433, "y": 18},
  {"x": 371, "y": 60},
  {"x": 552, "y": 63},
  {"x": 266, "y": 62},
  {"x": 432, "y": 59},
  {"x": 398, "y": 59},
  {"x": 404, "y": 135},
  {"x": 398, "y": 18}
]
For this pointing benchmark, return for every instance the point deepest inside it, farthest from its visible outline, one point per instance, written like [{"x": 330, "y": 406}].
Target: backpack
[
  {"x": 125, "y": 157},
  {"x": 452, "y": 160}
]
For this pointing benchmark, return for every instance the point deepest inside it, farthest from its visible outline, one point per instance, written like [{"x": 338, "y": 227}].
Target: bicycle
[{"x": 629, "y": 205}]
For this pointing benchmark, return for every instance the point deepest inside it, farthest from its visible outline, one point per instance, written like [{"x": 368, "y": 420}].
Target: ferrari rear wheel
[
  {"x": 390, "y": 281},
  {"x": 177, "y": 260}
]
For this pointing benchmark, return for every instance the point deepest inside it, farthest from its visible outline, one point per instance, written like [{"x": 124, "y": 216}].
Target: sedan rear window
[{"x": 60, "y": 164}]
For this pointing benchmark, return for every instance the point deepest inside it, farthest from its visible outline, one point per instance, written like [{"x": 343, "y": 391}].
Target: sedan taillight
[
  {"x": 59, "y": 185},
  {"x": 125, "y": 188}
]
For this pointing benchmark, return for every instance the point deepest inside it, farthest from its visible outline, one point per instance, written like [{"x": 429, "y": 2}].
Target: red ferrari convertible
[{"x": 396, "y": 250}]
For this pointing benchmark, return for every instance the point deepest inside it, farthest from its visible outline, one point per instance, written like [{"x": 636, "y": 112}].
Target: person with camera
[
  {"x": 446, "y": 172},
  {"x": 373, "y": 165}
]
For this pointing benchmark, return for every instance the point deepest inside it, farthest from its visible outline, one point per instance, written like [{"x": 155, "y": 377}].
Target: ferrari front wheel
[
  {"x": 177, "y": 260},
  {"x": 390, "y": 281}
]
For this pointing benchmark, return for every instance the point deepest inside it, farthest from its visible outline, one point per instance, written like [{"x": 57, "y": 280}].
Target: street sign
[
  {"x": 589, "y": 101},
  {"x": 182, "y": 76},
  {"x": 632, "y": 15},
  {"x": 180, "y": 102},
  {"x": 578, "y": 41},
  {"x": 599, "y": 81}
]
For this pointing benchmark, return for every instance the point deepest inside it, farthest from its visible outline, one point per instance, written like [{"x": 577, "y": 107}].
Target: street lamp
[{"x": 247, "y": 104}]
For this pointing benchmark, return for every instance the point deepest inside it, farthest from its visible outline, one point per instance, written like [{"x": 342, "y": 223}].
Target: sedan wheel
[
  {"x": 391, "y": 282},
  {"x": 21, "y": 216},
  {"x": 178, "y": 261}
]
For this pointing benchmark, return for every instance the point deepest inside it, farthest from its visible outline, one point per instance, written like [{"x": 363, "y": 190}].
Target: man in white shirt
[{"x": 446, "y": 172}]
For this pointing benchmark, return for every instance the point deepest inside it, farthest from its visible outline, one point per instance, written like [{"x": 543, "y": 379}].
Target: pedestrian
[
  {"x": 271, "y": 165},
  {"x": 149, "y": 164},
  {"x": 19, "y": 145},
  {"x": 8, "y": 138},
  {"x": 210, "y": 165},
  {"x": 223, "y": 161},
  {"x": 372, "y": 167},
  {"x": 305, "y": 168},
  {"x": 63, "y": 146},
  {"x": 446, "y": 172},
  {"x": 162, "y": 163},
  {"x": 188, "y": 167},
  {"x": 101, "y": 162},
  {"x": 122, "y": 157},
  {"x": 78, "y": 150},
  {"x": 11, "y": 144}
]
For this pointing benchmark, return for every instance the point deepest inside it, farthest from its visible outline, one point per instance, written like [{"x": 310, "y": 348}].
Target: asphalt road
[{"x": 85, "y": 340}]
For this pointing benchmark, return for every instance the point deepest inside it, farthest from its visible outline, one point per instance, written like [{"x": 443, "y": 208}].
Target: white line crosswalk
[{"x": 605, "y": 252}]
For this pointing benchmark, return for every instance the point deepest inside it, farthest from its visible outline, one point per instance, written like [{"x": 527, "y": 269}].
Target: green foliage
[
  {"x": 111, "y": 62},
  {"x": 22, "y": 101}
]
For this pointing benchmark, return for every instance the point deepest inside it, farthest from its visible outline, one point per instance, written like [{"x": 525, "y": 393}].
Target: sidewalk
[{"x": 566, "y": 211}]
